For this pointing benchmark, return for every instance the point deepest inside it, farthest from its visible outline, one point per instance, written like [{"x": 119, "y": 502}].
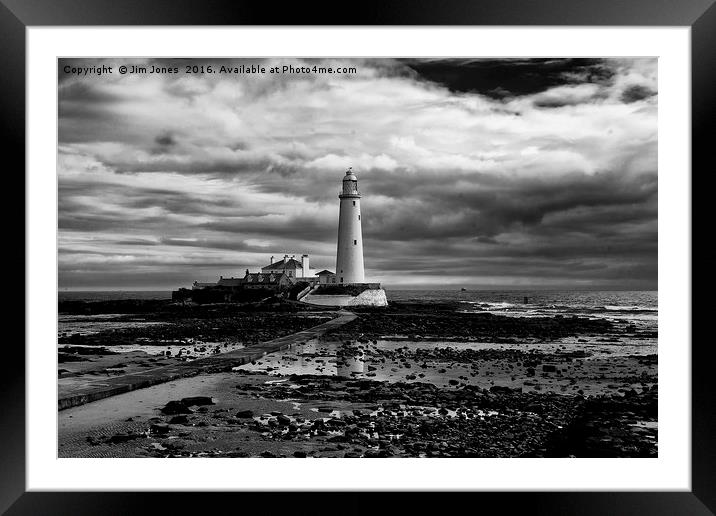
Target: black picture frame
[{"x": 700, "y": 15}]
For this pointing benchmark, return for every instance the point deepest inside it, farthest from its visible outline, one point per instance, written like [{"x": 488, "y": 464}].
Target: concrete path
[{"x": 73, "y": 395}]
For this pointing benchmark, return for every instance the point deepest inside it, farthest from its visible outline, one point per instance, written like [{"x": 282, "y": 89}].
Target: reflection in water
[
  {"x": 320, "y": 358},
  {"x": 309, "y": 348},
  {"x": 350, "y": 364},
  {"x": 307, "y": 353},
  {"x": 442, "y": 365}
]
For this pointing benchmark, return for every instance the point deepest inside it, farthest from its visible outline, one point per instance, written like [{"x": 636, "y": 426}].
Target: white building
[
  {"x": 349, "y": 255},
  {"x": 290, "y": 266},
  {"x": 326, "y": 277}
]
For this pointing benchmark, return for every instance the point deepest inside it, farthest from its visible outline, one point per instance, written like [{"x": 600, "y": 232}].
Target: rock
[
  {"x": 283, "y": 419},
  {"x": 93, "y": 441},
  {"x": 299, "y": 454},
  {"x": 245, "y": 413},
  {"x": 179, "y": 420},
  {"x": 122, "y": 438},
  {"x": 549, "y": 368},
  {"x": 502, "y": 389},
  {"x": 175, "y": 407},
  {"x": 159, "y": 428},
  {"x": 197, "y": 400}
]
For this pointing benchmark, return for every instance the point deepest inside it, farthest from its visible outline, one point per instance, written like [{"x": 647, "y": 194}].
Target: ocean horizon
[{"x": 526, "y": 302}]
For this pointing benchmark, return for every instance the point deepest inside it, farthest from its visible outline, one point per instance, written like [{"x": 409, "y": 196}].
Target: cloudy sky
[{"x": 484, "y": 173}]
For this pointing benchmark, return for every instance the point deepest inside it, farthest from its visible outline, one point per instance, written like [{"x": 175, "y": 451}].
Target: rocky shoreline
[
  {"x": 525, "y": 392},
  {"x": 482, "y": 327},
  {"x": 309, "y": 416}
]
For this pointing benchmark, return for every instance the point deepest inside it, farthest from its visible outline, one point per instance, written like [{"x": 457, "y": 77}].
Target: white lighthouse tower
[{"x": 349, "y": 257}]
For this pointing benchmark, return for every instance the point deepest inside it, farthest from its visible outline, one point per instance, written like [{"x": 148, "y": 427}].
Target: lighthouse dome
[{"x": 350, "y": 184}]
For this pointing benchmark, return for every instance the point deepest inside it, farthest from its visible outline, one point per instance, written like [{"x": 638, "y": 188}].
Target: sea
[
  {"x": 641, "y": 304},
  {"x": 627, "y": 305},
  {"x": 518, "y": 302}
]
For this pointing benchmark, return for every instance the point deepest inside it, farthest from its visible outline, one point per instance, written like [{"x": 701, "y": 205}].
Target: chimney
[
  {"x": 304, "y": 265},
  {"x": 285, "y": 258},
  {"x": 272, "y": 260}
]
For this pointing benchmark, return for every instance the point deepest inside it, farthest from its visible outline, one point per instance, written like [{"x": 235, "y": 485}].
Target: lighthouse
[{"x": 349, "y": 256}]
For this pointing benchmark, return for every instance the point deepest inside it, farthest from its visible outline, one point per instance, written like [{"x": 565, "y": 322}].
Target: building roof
[
  {"x": 324, "y": 271},
  {"x": 281, "y": 265},
  {"x": 230, "y": 282},
  {"x": 263, "y": 278}
]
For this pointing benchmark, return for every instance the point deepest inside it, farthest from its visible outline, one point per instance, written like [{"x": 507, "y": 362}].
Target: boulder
[
  {"x": 122, "y": 438},
  {"x": 176, "y": 407},
  {"x": 159, "y": 428},
  {"x": 503, "y": 389},
  {"x": 197, "y": 400}
]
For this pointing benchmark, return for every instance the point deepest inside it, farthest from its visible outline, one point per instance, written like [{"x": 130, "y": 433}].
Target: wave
[
  {"x": 488, "y": 305},
  {"x": 628, "y": 308}
]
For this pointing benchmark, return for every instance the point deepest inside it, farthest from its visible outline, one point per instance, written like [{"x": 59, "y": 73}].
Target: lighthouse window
[
  {"x": 358, "y": 217},
  {"x": 354, "y": 203},
  {"x": 355, "y": 242}
]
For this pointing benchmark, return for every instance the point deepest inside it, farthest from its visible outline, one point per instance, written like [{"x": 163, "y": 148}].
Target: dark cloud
[
  {"x": 637, "y": 92},
  {"x": 500, "y": 78},
  {"x": 165, "y": 140}
]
